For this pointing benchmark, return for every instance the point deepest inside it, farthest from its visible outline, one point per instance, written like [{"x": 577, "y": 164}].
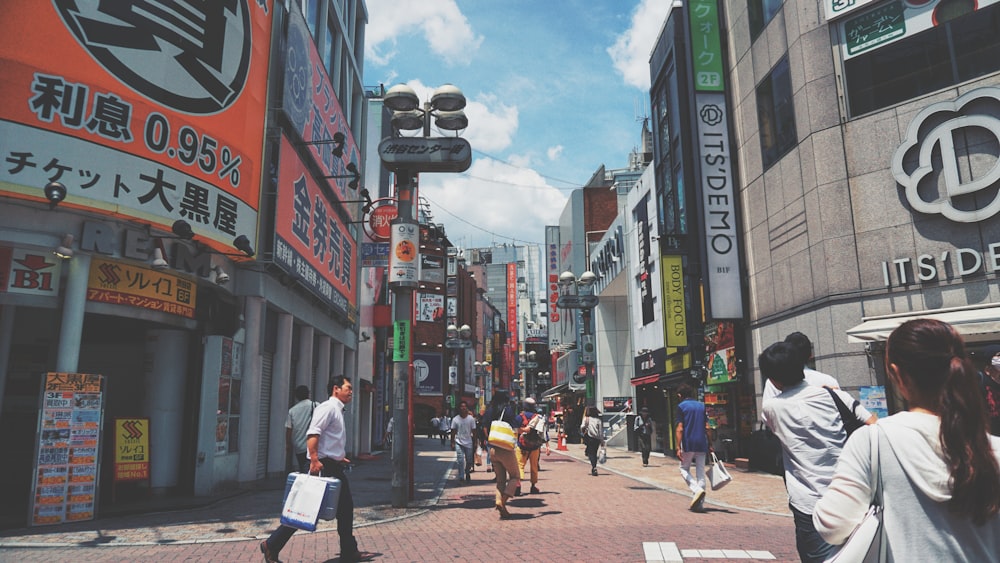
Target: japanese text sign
[
  {"x": 312, "y": 241},
  {"x": 131, "y": 449},
  {"x": 135, "y": 117},
  {"x": 127, "y": 284},
  {"x": 706, "y": 47}
]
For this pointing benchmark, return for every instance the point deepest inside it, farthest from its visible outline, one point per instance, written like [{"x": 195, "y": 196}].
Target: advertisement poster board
[
  {"x": 131, "y": 449},
  {"x": 70, "y": 420}
]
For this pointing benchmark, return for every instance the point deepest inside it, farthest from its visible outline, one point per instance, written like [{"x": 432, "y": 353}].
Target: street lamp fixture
[
  {"x": 579, "y": 294},
  {"x": 458, "y": 337},
  {"x": 445, "y": 107}
]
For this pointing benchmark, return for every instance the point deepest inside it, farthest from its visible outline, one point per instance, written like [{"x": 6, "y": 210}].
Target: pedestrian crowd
[{"x": 932, "y": 469}]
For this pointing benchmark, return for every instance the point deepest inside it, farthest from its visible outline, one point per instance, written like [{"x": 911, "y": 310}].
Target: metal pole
[{"x": 402, "y": 311}]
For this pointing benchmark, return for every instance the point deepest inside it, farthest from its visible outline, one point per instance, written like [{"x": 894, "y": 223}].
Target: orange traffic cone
[{"x": 561, "y": 445}]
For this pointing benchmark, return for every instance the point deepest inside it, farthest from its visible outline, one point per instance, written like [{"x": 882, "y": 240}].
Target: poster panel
[
  {"x": 70, "y": 420},
  {"x": 131, "y": 449}
]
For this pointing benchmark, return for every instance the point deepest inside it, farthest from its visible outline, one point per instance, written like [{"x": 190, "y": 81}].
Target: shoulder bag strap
[{"x": 877, "y": 498}]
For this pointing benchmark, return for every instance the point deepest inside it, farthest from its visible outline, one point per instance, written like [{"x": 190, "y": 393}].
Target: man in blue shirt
[{"x": 692, "y": 443}]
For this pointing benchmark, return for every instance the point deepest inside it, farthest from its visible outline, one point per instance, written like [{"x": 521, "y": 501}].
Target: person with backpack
[
  {"x": 808, "y": 423},
  {"x": 530, "y": 438}
]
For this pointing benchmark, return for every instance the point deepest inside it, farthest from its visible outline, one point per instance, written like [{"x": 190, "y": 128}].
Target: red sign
[
  {"x": 312, "y": 240},
  {"x": 380, "y": 220},
  {"x": 140, "y": 117}
]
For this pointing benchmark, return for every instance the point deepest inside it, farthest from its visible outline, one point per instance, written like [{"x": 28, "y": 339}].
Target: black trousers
[{"x": 645, "y": 446}]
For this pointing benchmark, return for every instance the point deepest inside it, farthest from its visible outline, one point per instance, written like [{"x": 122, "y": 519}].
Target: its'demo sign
[{"x": 948, "y": 165}]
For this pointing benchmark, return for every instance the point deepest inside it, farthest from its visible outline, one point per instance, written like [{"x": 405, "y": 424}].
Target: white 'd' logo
[{"x": 941, "y": 138}]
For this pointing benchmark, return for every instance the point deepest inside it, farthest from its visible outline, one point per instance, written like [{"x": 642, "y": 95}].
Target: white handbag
[
  {"x": 718, "y": 475},
  {"x": 867, "y": 542}
]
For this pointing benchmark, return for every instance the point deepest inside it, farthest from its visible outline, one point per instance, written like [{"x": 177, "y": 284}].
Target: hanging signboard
[
  {"x": 403, "y": 263},
  {"x": 70, "y": 420},
  {"x": 131, "y": 449}
]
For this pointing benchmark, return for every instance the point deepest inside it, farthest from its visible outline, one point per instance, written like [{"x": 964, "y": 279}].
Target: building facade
[{"x": 207, "y": 252}]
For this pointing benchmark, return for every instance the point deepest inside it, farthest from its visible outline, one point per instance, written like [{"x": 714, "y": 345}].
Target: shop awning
[
  {"x": 974, "y": 323},
  {"x": 557, "y": 390},
  {"x": 645, "y": 379}
]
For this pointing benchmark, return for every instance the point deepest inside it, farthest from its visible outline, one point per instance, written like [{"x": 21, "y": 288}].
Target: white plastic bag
[{"x": 303, "y": 503}]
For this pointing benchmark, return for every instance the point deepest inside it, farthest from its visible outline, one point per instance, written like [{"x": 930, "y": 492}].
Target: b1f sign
[
  {"x": 404, "y": 269},
  {"x": 29, "y": 272}
]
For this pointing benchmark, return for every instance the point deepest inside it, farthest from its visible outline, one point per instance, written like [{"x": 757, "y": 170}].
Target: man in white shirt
[
  {"x": 299, "y": 417},
  {"x": 326, "y": 441},
  {"x": 463, "y": 427},
  {"x": 808, "y": 424},
  {"x": 804, "y": 350}
]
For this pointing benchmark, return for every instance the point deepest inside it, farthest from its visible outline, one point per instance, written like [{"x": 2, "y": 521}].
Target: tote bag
[
  {"x": 718, "y": 475},
  {"x": 867, "y": 542},
  {"x": 501, "y": 434},
  {"x": 303, "y": 502}
]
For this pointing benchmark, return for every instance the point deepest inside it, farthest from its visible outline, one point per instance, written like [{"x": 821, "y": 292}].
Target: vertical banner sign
[
  {"x": 131, "y": 449},
  {"x": 674, "y": 309},
  {"x": 403, "y": 256},
  {"x": 70, "y": 420},
  {"x": 714, "y": 164},
  {"x": 720, "y": 352},
  {"x": 512, "y": 306},
  {"x": 401, "y": 341}
]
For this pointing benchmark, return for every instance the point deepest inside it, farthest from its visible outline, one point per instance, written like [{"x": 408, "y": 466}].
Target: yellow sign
[
  {"x": 135, "y": 286},
  {"x": 131, "y": 449},
  {"x": 674, "y": 309}
]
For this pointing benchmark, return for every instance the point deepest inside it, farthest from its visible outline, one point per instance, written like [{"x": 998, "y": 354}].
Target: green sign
[
  {"x": 872, "y": 28},
  {"x": 706, "y": 47},
  {"x": 401, "y": 341}
]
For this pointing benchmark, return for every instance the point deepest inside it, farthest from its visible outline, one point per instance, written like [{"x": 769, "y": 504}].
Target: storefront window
[{"x": 230, "y": 385}]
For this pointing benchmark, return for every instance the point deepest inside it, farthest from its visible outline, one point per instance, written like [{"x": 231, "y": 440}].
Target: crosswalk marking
[{"x": 667, "y": 552}]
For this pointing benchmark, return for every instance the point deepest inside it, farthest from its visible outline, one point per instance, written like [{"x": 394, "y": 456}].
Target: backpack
[
  {"x": 534, "y": 436},
  {"x": 851, "y": 422}
]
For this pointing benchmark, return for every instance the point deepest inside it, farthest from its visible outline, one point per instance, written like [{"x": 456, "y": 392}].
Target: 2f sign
[{"x": 28, "y": 272}]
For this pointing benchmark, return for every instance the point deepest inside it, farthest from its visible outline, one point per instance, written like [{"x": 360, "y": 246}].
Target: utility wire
[
  {"x": 477, "y": 227},
  {"x": 554, "y": 179}
]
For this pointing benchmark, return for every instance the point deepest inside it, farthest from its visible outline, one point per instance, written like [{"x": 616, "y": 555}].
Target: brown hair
[{"x": 930, "y": 355}]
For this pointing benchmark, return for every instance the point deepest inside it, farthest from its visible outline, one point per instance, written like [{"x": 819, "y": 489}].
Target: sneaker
[
  {"x": 534, "y": 490},
  {"x": 268, "y": 556},
  {"x": 593, "y": 472},
  {"x": 697, "y": 499},
  {"x": 504, "y": 514}
]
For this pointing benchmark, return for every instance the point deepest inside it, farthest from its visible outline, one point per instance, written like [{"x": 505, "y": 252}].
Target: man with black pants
[
  {"x": 327, "y": 437},
  {"x": 644, "y": 431}
]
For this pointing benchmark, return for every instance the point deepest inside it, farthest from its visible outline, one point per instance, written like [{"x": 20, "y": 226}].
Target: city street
[{"x": 627, "y": 513}]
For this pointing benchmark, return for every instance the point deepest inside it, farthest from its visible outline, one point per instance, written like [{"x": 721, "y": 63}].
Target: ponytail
[
  {"x": 975, "y": 477},
  {"x": 931, "y": 355}
]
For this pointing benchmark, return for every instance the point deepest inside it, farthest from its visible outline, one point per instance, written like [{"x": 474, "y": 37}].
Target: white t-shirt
[
  {"x": 813, "y": 377},
  {"x": 463, "y": 428},
  {"x": 806, "y": 421},
  {"x": 298, "y": 420}
]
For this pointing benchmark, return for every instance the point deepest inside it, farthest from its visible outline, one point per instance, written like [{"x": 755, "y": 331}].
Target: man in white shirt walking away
[
  {"x": 463, "y": 428},
  {"x": 299, "y": 417}
]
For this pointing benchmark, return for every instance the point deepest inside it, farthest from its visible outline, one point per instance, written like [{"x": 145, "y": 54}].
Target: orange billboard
[
  {"x": 120, "y": 283},
  {"x": 149, "y": 111},
  {"x": 312, "y": 241}
]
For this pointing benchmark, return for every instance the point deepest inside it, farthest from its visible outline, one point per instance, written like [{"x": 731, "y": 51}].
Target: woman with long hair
[
  {"x": 591, "y": 428},
  {"x": 939, "y": 467}
]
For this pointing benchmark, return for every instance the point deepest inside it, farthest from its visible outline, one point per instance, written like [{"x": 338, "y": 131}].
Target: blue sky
[{"x": 555, "y": 90}]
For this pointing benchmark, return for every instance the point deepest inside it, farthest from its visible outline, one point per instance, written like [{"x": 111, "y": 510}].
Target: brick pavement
[{"x": 576, "y": 518}]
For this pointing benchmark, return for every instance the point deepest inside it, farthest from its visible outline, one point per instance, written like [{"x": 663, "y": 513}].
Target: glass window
[
  {"x": 953, "y": 52},
  {"x": 311, "y": 14},
  {"x": 760, "y": 13},
  {"x": 776, "y": 114}
]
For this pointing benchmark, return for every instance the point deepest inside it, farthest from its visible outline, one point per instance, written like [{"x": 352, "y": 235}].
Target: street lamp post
[
  {"x": 579, "y": 294},
  {"x": 457, "y": 339},
  {"x": 407, "y": 157},
  {"x": 528, "y": 363}
]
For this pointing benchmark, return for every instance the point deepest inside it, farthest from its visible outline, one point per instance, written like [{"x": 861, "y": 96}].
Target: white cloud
[
  {"x": 630, "y": 53},
  {"x": 554, "y": 152},
  {"x": 492, "y": 202},
  {"x": 444, "y": 27}
]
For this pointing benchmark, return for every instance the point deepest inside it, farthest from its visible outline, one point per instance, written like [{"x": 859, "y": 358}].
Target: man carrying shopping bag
[{"x": 327, "y": 437}]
